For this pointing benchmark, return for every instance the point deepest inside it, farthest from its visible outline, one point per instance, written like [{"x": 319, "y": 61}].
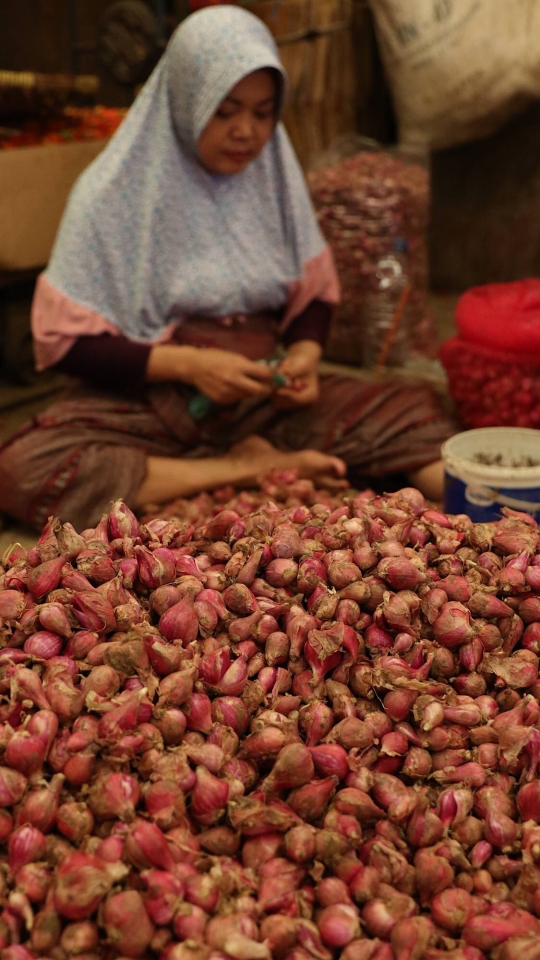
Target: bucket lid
[{"x": 461, "y": 452}]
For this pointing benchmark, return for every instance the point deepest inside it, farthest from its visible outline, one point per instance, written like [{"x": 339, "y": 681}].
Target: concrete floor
[{"x": 19, "y": 403}]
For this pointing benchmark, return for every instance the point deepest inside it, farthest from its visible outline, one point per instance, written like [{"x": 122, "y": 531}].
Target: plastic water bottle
[{"x": 386, "y": 334}]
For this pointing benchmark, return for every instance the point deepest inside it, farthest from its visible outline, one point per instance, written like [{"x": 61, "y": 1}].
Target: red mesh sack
[
  {"x": 493, "y": 366},
  {"x": 503, "y": 317}
]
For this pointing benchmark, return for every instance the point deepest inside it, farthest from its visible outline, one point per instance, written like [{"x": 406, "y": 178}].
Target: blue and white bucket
[{"x": 479, "y": 489}]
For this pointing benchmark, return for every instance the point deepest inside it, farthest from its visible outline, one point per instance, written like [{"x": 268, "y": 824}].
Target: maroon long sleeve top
[{"x": 107, "y": 359}]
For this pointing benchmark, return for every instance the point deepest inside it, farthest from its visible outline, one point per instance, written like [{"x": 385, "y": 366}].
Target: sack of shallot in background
[
  {"x": 493, "y": 365},
  {"x": 458, "y": 69},
  {"x": 367, "y": 198}
]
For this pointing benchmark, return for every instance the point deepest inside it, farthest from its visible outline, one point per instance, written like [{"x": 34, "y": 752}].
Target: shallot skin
[{"x": 272, "y": 725}]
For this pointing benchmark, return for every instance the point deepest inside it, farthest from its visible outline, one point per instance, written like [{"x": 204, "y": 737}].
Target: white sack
[{"x": 458, "y": 68}]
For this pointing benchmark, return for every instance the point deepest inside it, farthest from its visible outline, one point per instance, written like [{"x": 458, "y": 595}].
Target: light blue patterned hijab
[{"x": 149, "y": 236}]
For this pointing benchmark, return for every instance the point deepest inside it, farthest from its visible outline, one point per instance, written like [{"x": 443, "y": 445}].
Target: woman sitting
[{"x": 188, "y": 253}]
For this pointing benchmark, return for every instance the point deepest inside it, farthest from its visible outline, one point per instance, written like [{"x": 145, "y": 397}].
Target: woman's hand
[
  {"x": 223, "y": 376},
  {"x": 226, "y": 377},
  {"x": 300, "y": 366}
]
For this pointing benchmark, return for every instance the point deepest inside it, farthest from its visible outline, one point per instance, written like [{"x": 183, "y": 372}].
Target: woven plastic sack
[
  {"x": 493, "y": 366},
  {"x": 366, "y": 197}
]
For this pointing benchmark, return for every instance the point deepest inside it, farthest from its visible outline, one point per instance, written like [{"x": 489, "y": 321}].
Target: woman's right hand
[
  {"x": 226, "y": 377},
  {"x": 223, "y": 376}
]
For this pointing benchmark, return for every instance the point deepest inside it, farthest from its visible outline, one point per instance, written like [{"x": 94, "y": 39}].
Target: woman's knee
[{"x": 22, "y": 472}]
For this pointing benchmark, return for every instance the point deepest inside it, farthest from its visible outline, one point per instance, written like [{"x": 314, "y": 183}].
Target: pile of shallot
[{"x": 292, "y": 726}]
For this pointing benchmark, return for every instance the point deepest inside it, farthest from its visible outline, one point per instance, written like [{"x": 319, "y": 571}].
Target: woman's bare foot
[
  {"x": 261, "y": 457},
  {"x": 325, "y": 471},
  {"x": 245, "y": 465},
  {"x": 430, "y": 481},
  {"x": 251, "y": 447}
]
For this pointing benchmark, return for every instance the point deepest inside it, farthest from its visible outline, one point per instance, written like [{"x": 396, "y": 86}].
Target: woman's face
[{"x": 242, "y": 126}]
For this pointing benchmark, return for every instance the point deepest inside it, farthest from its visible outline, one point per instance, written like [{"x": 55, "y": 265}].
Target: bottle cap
[
  {"x": 199, "y": 406},
  {"x": 400, "y": 245}
]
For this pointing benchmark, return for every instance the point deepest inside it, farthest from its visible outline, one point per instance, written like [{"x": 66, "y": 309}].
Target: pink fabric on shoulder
[
  {"x": 58, "y": 321},
  {"x": 318, "y": 282}
]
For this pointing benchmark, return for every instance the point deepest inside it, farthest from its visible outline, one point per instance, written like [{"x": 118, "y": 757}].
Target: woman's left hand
[{"x": 300, "y": 366}]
